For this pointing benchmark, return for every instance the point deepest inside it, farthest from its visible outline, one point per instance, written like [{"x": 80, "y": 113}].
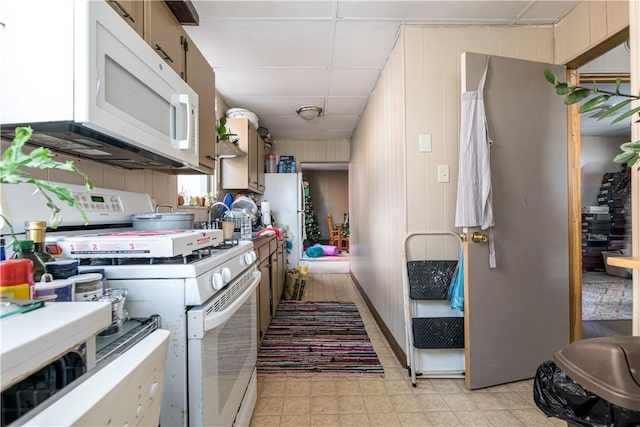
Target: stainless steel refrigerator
[{"x": 285, "y": 195}]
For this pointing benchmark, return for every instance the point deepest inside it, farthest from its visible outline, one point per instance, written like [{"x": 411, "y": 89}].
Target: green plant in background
[
  {"x": 222, "y": 129},
  {"x": 14, "y": 167},
  {"x": 573, "y": 94}
]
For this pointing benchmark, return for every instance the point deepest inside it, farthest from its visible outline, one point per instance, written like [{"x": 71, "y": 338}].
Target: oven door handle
[{"x": 219, "y": 317}]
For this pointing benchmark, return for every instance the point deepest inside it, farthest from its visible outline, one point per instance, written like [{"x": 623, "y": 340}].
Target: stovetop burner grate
[{"x": 193, "y": 257}]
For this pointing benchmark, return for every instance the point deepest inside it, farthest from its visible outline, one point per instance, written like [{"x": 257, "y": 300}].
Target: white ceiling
[{"x": 272, "y": 57}]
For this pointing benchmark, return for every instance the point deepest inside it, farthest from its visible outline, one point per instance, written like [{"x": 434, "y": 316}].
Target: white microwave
[{"x": 90, "y": 86}]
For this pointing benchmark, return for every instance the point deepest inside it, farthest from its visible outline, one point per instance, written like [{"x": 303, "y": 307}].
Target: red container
[{"x": 16, "y": 279}]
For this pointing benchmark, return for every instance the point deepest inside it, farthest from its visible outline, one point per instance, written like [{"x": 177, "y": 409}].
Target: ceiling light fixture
[{"x": 309, "y": 112}]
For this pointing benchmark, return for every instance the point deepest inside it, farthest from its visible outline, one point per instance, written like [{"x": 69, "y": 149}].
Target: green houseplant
[
  {"x": 574, "y": 94},
  {"x": 15, "y": 167}
]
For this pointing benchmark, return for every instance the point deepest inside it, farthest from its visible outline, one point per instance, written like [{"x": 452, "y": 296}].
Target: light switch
[
  {"x": 443, "y": 173},
  {"x": 424, "y": 142}
]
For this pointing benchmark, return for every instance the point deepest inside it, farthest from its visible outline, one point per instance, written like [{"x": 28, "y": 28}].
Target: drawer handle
[
  {"x": 125, "y": 14},
  {"x": 161, "y": 50}
]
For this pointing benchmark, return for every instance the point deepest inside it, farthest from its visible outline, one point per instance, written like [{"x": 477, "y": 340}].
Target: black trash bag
[{"x": 559, "y": 396}]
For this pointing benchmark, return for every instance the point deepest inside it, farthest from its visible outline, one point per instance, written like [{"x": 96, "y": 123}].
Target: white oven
[
  {"x": 199, "y": 281},
  {"x": 222, "y": 355}
]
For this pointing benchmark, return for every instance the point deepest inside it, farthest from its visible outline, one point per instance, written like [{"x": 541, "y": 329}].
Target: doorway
[
  {"x": 606, "y": 291},
  {"x": 328, "y": 192}
]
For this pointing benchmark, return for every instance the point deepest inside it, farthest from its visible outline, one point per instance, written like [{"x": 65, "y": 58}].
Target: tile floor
[{"x": 343, "y": 400}]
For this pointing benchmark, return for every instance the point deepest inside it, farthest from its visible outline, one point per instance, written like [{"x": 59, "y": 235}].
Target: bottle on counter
[
  {"x": 23, "y": 249},
  {"x": 36, "y": 232}
]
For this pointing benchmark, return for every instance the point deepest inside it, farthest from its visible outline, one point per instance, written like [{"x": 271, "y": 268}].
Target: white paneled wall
[
  {"x": 393, "y": 186},
  {"x": 378, "y": 195}
]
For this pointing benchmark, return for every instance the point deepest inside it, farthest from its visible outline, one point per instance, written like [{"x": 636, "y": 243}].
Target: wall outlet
[
  {"x": 424, "y": 142},
  {"x": 443, "y": 173}
]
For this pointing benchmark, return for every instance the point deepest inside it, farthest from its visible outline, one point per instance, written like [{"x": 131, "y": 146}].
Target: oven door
[{"x": 223, "y": 350}]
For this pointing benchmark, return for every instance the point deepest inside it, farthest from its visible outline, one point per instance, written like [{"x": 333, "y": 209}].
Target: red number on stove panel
[
  {"x": 94, "y": 247},
  {"x": 72, "y": 247},
  {"x": 132, "y": 246}
]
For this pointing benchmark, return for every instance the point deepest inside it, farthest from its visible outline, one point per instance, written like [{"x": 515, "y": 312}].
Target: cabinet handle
[
  {"x": 125, "y": 14},
  {"x": 161, "y": 50},
  {"x": 208, "y": 157}
]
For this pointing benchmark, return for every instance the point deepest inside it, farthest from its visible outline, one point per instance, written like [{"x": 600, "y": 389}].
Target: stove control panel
[{"x": 96, "y": 202}]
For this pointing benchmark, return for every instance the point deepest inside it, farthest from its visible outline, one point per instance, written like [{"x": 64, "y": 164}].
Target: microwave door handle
[{"x": 181, "y": 101}]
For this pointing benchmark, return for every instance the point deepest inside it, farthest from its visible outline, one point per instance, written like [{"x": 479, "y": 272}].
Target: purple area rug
[{"x": 317, "y": 337}]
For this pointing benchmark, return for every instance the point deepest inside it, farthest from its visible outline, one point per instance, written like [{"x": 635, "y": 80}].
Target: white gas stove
[{"x": 202, "y": 289}]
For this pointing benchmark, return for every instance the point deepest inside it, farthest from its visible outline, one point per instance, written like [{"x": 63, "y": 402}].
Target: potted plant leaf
[
  {"x": 574, "y": 94},
  {"x": 15, "y": 167}
]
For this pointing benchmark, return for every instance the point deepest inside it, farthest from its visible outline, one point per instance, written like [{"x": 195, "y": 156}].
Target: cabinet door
[
  {"x": 165, "y": 35},
  {"x": 260, "y": 164},
  {"x": 275, "y": 289},
  {"x": 201, "y": 78},
  {"x": 241, "y": 173},
  {"x": 253, "y": 158},
  {"x": 132, "y": 12},
  {"x": 264, "y": 299},
  {"x": 235, "y": 171}
]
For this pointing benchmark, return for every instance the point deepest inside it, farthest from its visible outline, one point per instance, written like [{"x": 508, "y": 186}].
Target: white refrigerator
[{"x": 285, "y": 195}]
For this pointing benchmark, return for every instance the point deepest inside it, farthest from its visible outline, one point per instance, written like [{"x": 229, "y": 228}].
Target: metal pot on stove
[{"x": 162, "y": 220}]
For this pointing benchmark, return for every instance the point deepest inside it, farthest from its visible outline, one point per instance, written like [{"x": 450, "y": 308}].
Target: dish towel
[{"x": 474, "y": 205}]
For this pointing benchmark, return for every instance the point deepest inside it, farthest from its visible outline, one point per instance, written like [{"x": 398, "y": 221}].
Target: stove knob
[
  {"x": 217, "y": 281},
  {"x": 226, "y": 274},
  {"x": 248, "y": 259}
]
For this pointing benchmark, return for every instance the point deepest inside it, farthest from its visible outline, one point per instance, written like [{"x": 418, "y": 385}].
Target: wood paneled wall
[
  {"x": 321, "y": 151},
  {"x": 393, "y": 186}
]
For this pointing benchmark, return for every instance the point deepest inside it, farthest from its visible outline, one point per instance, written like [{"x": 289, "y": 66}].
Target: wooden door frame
[{"x": 574, "y": 182}]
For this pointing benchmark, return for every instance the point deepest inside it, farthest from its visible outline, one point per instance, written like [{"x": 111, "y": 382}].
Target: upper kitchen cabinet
[
  {"x": 201, "y": 78},
  {"x": 244, "y": 173},
  {"x": 132, "y": 11},
  {"x": 164, "y": 34}
]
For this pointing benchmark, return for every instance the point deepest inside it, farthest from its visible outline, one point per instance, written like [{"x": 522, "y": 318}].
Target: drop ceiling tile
[
  {"x": 353, "y": 82},
  {"x": 276, "y": 123},
  {"x": 216, "y": 10},
  {"x": 346, "y": 105},
  {"x": 271, "y": 82},
  {"x": 337, "y": 134},
  {"x": 274, "y": 105},
  {"x": 340, "y": 122},
  {"x": 548, "y": 11},
  {"x": 472, "y": 11},
  {"x": 297, "y": 135},
  {"x": 265, "y": 43},
  {"x": 363, "y": 43}
]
